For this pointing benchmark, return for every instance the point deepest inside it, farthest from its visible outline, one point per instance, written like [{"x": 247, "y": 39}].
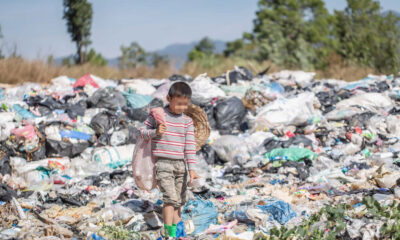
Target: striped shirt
[{"x": 178, "y": 140}]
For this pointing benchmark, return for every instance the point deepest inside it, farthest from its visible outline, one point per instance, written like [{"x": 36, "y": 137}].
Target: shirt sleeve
[
  {"x": 190, "y": 145},
  {"x": 148, "y": 131}
]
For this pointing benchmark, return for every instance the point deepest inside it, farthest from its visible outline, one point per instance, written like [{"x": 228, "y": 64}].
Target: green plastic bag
[{"x": 291, "y": 154}]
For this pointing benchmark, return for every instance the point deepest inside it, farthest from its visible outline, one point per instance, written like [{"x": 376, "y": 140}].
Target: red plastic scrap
[{"x": 85, "y": 80}]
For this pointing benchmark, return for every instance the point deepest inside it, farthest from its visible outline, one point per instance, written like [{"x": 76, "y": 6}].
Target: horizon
[{"x": 167, "y": 23}]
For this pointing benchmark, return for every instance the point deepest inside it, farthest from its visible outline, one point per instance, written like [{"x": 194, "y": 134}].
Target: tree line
[
  {"x": 290, "y": 33},
  {"x": 303, "y": 34}
]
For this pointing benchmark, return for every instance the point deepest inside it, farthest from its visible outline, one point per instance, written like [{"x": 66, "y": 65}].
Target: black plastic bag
[
  {"x": 5, "y": 167},
  {"x": 272, "y": 143},
  {"x": 77, "y": 109},
  {"x": 141, "y": 114},
  {"x": 64, "y": 149},
  {"x": 39, "y": 154},
  {"x": 109, "y": 98},
  {"x": 229, "y": 114},
  {"x": 180, "y": 78},
  {"x": 209, "y": 110},
  {"x": 46, "y": 101},
  {"x": 241, "y": 74},
  {"x": 133, "y": 135},
  {"x": 104, "y": 121},
  {"x": 208, "y": 153},
  {"x": 6, "y": 193}
]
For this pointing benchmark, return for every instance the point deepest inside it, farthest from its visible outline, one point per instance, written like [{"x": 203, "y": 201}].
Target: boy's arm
[
  {"x": 190, "y": 145},
  {"x": 149, "y": 130}
]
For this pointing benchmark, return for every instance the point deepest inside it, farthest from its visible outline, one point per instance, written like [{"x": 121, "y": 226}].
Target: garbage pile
[{"x": 284, "y": 150}]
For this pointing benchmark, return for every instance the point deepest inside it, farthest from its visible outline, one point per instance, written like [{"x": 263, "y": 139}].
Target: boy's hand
[
  {"x": 193, "y": 175},
  {"x": 161, "y": 129}
]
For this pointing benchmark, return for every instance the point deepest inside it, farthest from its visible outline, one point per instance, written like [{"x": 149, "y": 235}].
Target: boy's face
[{"x": 178, "y": 105}]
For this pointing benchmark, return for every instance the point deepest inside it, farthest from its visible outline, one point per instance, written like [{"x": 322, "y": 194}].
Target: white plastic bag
[
  {"x": 113, "y": 157},
  {"x": 143, "y": 165},
  {"x": 230, "y": 148},
  {"x": 203, "y": 89},
  {"x": 143, "y": 161},
  {"x": 287, "y": 111},
  {"x": 139, "y": 86}
]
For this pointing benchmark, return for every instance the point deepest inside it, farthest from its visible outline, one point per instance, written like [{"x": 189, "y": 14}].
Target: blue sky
[{"x": 37, "y": 29}]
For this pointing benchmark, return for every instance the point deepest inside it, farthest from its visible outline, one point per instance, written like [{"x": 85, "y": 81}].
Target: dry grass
[
  {"x": 16, "y": 70},
  {"x": 337, "y": 69}
]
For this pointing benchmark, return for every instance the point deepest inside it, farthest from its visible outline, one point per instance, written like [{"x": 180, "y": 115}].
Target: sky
[{"x": 36, "y": 28}]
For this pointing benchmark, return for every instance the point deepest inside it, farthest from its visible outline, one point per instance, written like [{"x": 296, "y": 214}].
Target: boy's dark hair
[{"x": 180, "y": 89}]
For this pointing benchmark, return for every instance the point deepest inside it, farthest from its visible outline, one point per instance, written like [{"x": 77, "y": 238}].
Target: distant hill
[{"x": 176, "y": 53}]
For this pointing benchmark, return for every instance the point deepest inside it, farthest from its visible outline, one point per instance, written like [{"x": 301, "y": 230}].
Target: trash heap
[{"x": 289, "y": 156}]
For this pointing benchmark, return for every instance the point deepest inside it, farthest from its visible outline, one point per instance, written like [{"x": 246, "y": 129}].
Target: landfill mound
[{"x": 289, "y": 157}]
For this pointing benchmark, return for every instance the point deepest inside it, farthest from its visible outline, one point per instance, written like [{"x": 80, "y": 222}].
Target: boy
[{"x": 173, "y": 144}]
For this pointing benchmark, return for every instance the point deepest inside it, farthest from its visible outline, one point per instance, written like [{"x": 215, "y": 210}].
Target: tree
[
  {"x": 367, "y": 36},
  {"x": 293, "y": 33},
  {"x": 244, "y": 47},
  {"x": 96, "y": 58},
  {"x": 204, "y": 48},
  {"x": 78, "y": 14},
  {"x": 132, "y": 56},
  {"x": 157, "y": 59},
  {"x": 66, "y": 62}
]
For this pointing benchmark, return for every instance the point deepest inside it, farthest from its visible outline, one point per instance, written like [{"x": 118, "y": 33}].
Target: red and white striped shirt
[{"x": 177, "y": 142}]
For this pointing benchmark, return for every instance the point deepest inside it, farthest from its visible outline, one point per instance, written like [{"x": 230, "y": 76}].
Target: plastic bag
[
  {"x": 292, "y": 154},
  {"x": 143, "y": 162},
  {"x": 136, "y": 100},
  {"x": 203, "y": 90},
  {"x": 374, "y": 102},
  {"x": 230, "y": 148},
  {"x": 299, "y": 77},
  {"x": 201, "y": 212},
  {"x": 279, "y": 210},
  {"x": 139, "y": 86},
  {"x": 107, "y": 98},
  {"x": 162, "y": 91},
  {"x": 5, "y": 167},
  {"x": 113, "y": 157},
  {"x": 84, "y": 80},
  {"x": 229, "y": 114},
  {"x": 27, "y": 132},
  {"x": 25, "y": 114},
  {"x": 283, "y": 112},
  {"x": 158, "y": 114},
  {"x": 143, "y": 165}
]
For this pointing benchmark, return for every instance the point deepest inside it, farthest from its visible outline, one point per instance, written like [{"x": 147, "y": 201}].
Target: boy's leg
[
  {"x": 166, "y": 182},
  {"x": 177, "y": 215},
  {"x": 180, "y": 188},
  {"x": 168, "y": 214}
]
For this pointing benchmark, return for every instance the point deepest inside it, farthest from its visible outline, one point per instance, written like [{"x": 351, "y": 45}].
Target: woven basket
[{"x": 201, "y": 125}]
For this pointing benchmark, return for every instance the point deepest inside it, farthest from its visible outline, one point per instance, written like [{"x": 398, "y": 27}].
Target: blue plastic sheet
[
  {"x": 1, "y": 94},
  {"x": 75, "y": 134},
  {"x": 136, "y": 100},
  {"x": 276, "y": 87},
  {"x": 359, "y": 84},
  {"x": 241, "y": 216},
  {"x": 180, "y": 230},
  {"x": 96, "y": 237},
  {"x": 280, "y": 211},
  {"x": 25, "y": 114},
  {"x": 202, "y": 213}
]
